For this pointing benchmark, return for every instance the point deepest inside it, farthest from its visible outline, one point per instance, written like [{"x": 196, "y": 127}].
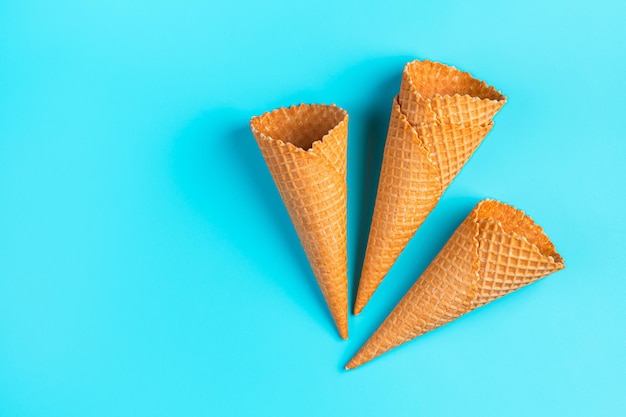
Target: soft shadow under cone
[
  {"x": 437, "y": 122},
  {"x": 496, "y": 250},
  {"x": 305, "y": 148}
]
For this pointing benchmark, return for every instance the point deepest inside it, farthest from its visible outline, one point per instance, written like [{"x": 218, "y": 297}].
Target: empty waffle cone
[
  {"x": 437, "y": 122},
  {"x": 305, "y": 148},
  {"x": 419, "y": 163},
  {"x": 496, "y": 250}
]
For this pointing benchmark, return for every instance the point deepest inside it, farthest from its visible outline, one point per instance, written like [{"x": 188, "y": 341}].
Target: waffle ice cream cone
[
  {"x": 437, "y": 122},
  {"x": 496, "y": 250},
  {"x": 305, "y": 148}
]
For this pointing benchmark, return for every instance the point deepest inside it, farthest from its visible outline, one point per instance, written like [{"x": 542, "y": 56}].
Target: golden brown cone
[
  {"x": 419, "y": 163},
  {"x": 408, "y": 190},
  {"x": 449, "y": 114},
  {"x": 496, "y": 250},
  {"x": 305, "y": 148}
]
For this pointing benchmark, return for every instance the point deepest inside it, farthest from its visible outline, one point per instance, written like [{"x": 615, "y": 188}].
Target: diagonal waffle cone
[
  {"x": 427, "y": 145},
  {"x": 305, "y": 148},
  {"x": 496, "y": 250}
]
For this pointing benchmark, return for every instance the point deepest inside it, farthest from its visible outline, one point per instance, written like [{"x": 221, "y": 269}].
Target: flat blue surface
[{"x": 147, "y": 263}]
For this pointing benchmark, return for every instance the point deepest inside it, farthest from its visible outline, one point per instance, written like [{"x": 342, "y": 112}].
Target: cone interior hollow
[
  {"x": 432, "y": 79},
  {"x": 515, "y": 221},
  {"x": 301, "y": 125}
]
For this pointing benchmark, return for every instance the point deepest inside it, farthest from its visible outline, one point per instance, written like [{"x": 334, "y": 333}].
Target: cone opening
[
  {"x": 514, "y": 220},
  {"x": 432, "y": 79},
  {"x": 301, "y": 125}
]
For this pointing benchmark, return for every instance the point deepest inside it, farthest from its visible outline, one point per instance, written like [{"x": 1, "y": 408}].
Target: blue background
[{"x": 149, "y": 268}]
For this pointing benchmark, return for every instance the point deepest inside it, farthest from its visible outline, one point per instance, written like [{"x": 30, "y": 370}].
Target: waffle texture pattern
[
  {"x": 305, "y": 148},
  {"x": 496, "y": 250},
  {"x": 438, "y": 120}
]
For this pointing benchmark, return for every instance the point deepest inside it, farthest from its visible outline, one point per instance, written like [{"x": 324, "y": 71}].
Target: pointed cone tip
[
  {"x": 344, "y": 334},
  {"x": 353, "y": 363},
  {"x": 359, "y": 304}
]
